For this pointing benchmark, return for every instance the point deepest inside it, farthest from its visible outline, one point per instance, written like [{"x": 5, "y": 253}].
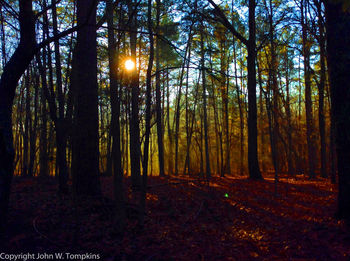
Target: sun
[{"x": 129, "y": 65}]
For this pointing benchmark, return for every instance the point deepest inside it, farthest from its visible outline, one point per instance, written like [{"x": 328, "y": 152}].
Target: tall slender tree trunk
[
  {"x": 188, "y": 130},
  {"x": 308, "y": 100},
  {"x": 26, "y": 126},
  {"x": 115, "y": 120},
  {"x": 60, "y": 125},
  {"x": 135, "y": 146},
  {"x": 178, "y": 113},
  {"x": 170, "y": 130},
  {"x": 43, "y": 157},
  {"x": 224, "y": 109},
  {"x": 159, "y": 113},
  {"x": 321, "y": 87},
  {"x": 274, "y": 130},
  {"x": 253, "y": 163},
  {"x": 291, "y": 170},
  {"x": 204, "y": 96},
  {"x": 148, "y": 115},
  {"x": 33, "y": 127},
  {"x": 240, "y": 108}
]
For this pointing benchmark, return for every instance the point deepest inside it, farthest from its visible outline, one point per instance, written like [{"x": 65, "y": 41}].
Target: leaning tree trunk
[{"x": 12, "y": 72}]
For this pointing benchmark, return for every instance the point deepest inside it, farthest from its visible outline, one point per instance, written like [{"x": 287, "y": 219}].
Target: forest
[{"x": 175, "y": 130}]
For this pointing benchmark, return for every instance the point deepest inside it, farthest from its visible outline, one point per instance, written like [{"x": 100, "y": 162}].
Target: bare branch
[{"x": 223, "y": 19}]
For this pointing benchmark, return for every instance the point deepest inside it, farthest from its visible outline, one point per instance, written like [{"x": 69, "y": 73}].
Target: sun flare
[{"x": 129, "y": 65}]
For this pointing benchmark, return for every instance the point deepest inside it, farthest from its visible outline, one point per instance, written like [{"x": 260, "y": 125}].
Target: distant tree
[
  {"x": 250, "y": 43},
  {"x": 306, "y": 51}
]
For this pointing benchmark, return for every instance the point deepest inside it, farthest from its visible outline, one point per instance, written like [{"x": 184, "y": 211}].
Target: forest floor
[{"x": 232, "y": 219}]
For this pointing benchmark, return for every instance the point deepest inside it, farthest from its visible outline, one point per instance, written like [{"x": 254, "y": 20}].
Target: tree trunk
[
  {"x": 3, "y": 39},
  {"x": 308, "y": 100},
  {"x": 135, "y": 146},
  {"x": 321, "y": 86},
  {"x": 33, "y": 128},
  {"x": 204, "y": 96},
  {"x": 253, "y": 163},
  {"x": 115, "y": 122},
  {"x": 12, "y": 72},
  {"x": 85, "y": 149},
  {"x": 43, "y": 157},
  {"x": 148, "y": 116},
  {"x": 338, "y": 50},
  {"x": 159, "y": 113},
  {"x": 26, "y": 126}
]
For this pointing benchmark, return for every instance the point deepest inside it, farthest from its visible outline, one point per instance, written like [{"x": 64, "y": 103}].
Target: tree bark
[
  {"x": 204, "y": 96},
  {"x": 308, "y": 100},
  {"x": 135, "y": 146},
  {"x": 85, "y": 149},
  {"x": 253, "y": 163},
  {"x": 115, "y": 120},
  {"x": 338, "y": 50},
  {"x": 321, "y": 87},
  {"x": 159, "y": 113},
  {"x": 148, "y": 116},
  {"x": 12, "y": 72}
]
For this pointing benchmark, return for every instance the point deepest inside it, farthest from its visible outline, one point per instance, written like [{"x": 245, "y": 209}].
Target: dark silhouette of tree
[
  {"x": 135, "y": 146},
  {"x": 12, "y": 72},
  {"x": 115, "y": 118},
  {"x": 85, "y": 140},
  {"x": 159, "y": 114},
  {"x": 338, "y": 54}
]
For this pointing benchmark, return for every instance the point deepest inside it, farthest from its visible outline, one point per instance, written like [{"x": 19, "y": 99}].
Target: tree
[
  {"x": 159, "y": 113},
  {"x": 148, "y": 115},
  {"x": 307, "y": 78},
  {"x": 204, "y": 96},
  {"x": 12, "y": 72},
  {"x": 115, "y": 118},
  {"x": 135, "y": 146},
  {"x": 250, "y": 43},
  {"x": 321, "y": 86},
  {"x": 85, "y": 140},
  {"x": 338, "y": 51},
  {"x": 59, "y": 119}
]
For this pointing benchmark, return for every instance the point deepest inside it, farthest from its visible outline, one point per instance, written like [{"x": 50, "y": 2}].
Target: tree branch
[{"x": 223, "y": 19}]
